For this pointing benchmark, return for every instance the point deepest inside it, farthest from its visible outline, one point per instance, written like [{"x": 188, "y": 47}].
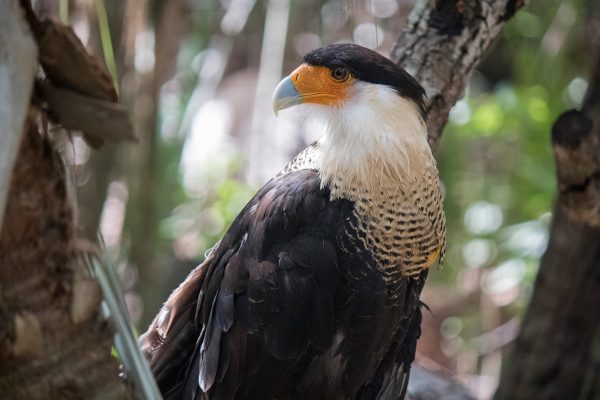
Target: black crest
[{"x": 369, "y": 66}]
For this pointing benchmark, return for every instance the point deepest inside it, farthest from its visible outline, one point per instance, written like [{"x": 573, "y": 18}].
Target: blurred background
[{"x": 198, "y": 75}]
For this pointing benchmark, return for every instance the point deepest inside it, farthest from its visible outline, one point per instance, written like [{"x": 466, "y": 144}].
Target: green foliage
[
  {"x": 107, "y": 46},
  {"x": 202, "y": 219},
  {"x": 497, "y": 166}
]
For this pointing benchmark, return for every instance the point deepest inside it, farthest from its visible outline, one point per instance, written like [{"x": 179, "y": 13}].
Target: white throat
[{"x": 375, "y": 142}]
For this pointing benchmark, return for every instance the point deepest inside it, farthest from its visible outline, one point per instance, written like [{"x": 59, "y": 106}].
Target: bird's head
[
  {"x": 339, "y": 75},
  {"x": 373, "y": 113}
]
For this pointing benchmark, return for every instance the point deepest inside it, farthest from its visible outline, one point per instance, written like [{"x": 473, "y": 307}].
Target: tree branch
[{"x": 442, "y": 45}]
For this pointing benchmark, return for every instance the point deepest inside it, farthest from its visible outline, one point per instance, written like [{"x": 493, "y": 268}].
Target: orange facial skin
[{"x": 317, "y": 86}]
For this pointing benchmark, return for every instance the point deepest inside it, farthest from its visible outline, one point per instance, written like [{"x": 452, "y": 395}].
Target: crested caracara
[{"x": 313, "y": 292}]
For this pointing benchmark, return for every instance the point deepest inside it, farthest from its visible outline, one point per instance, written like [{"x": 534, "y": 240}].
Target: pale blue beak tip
[{"x": 286, "y": 95}]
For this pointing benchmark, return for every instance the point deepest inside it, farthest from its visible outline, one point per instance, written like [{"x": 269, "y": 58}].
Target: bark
[
  {"x": 442, "y": 45},
  {"x": 17, "y": 68},
  {"x": 54, "y": 341},
  {"x": 52, "y": 328},
  {"x": 557, "y": 353}
]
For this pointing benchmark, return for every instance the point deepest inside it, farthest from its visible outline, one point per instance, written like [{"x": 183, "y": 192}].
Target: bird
[{"x": 314, "y": 290}]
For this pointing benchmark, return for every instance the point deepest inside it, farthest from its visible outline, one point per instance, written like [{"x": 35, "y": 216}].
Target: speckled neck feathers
[{"x": 374, "y": 152}]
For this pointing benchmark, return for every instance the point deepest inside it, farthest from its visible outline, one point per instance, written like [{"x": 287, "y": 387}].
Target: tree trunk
[
  {"x": 54, "y": 341},
  {"x": 52, "y": 328},
  {"x": 557, "y": 353}
]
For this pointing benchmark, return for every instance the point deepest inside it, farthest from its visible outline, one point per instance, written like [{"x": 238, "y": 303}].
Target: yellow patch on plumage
[{"x": 433, "y": 257}]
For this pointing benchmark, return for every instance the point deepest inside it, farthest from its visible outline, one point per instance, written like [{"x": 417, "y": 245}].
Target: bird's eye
[{"x": 340, "y": 73}]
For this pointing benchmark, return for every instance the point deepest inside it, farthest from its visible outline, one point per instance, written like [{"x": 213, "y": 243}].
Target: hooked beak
[{"x": 286, "y": 95}]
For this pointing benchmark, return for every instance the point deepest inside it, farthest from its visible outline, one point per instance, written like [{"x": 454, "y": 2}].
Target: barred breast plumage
[{"x": 403, "y": 224}]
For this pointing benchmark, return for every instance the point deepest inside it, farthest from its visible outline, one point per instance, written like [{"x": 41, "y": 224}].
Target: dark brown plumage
[{"x": 313, "y": 293}]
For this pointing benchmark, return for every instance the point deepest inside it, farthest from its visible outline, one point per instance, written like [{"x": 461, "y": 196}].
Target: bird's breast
[
  {"x": 403, "y": 230},
  {"x": 399, "y": 222}
]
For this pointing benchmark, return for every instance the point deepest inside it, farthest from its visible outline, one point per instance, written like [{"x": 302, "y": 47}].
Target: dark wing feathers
[
  {"x": 278, "y": 259},
  {"x": 390, "y": 380},
  {"x": 286, "y": 298}
]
